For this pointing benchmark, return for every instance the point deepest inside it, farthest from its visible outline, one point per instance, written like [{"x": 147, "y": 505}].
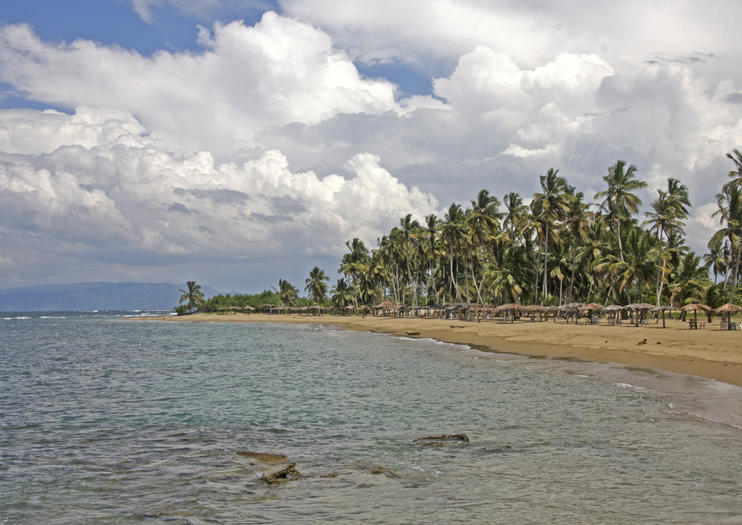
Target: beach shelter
[
  {"x": 727, "y": 310},
  {"x": 591, "y": 309},
  {"x": 248, "y": 308},
  {"x": 695, "y": 307},
  {"x": 614, "y": 310},
  {"x": 641, "y": 309},
  {"x": 663, "y": 309},
  {"x": 510, "y": 308}
]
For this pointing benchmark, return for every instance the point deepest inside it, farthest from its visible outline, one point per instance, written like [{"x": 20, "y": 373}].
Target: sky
[{"x": 240, "y": 142}]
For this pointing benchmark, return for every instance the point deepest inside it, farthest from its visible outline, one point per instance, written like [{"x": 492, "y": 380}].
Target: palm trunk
[
  {"x": 736, "y": 270},
  {"x": 572, "y": 277},
  {"x": 620, "y": 244},
  {"x": 453, "y": 279},
  {"x": 660, "y": 268},
  {"x": 546, "y": 265}
]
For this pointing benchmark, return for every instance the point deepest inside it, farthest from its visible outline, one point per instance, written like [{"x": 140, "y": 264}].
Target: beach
[{"x": 710, "y": 352}]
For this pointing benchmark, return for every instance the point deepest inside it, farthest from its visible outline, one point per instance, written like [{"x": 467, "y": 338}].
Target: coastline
[{"x": 709, "y": 353}]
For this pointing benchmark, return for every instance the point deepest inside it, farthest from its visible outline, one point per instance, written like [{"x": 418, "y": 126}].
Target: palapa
[
  {"x": 726, "y": 311},
  {"x": 695, "y": 308}
]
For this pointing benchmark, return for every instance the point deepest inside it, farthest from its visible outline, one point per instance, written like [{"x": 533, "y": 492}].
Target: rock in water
[
  {"x": 283, "y": 472},
  {"x": 265, "y": 457},
  {"x": 442, "y": 440}
]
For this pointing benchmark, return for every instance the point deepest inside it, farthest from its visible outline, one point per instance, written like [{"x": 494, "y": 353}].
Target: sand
[{"x": 710, "y": 352}]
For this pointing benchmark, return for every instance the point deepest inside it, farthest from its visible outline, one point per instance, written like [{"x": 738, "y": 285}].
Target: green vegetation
[
  {"x": 558, "y": 249},
  {"x": 192, "y": 297}
]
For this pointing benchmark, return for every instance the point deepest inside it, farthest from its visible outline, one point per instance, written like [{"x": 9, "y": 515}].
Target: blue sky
[{"x": 237, "y": 143}]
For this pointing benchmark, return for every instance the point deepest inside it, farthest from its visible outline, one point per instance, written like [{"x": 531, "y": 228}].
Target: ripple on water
[{"x": 107, "y": 420}]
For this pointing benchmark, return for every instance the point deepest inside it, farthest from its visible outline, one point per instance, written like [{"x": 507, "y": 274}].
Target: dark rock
[
  {"x": 381, "y": 470},
  {"x": 283, "y": 472},
  {"x": 442, "y": 440}
]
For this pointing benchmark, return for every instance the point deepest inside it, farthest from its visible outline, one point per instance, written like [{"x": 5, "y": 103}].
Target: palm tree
[
  {"x": 316, "y": 285},
  {"x": 355, "y": 265},
  {"x": 735, "y": 174},
  {"x": 619, "y": 201},
  {"x": 691, "y": 282},
  {"x": 193, "y": 296},
  {"x": 729, "y": 203},
  {"x": 515, "y": 211},
  {"x": 431, "y": 229},
  {"x": 551, "y": 206},
  {"x": 453, "y": 234},
  {"x": 482, "y": 220},
  {"x": 287, "y": 293},
  {"x": 578, "y": 224},
  {"x": 667, "y": 218},
  {"x": 407, "y": 229},
  {"x": 342, "y": 294}
]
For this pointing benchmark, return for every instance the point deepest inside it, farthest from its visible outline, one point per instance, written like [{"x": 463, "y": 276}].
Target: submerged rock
[
  {"x": 265, "y": 457},
  {"x": 283, "y": 472},
  {"x": 381, "y": 470},
  {"x": 442, "y": 440}
]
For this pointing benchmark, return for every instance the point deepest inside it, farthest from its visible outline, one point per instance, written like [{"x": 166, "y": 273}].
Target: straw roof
[
  {"x": 640, "y": 306},
  {"x": 386, "y": 304},
  {"x": 614, "y": 308},
  {"x": 696, "y": 307},
  {"x": 592, "y": 306},
  {"x": 510, "y": 307},
  {"x": 666, "y": 308},
  {"x": 728, "y": 308},
  {"x": 534, "y": 308},
  {"x": 248, "y": 308}
]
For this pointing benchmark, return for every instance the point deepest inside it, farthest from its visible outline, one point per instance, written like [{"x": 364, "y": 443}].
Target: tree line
[{"x": 558, "y": 248}]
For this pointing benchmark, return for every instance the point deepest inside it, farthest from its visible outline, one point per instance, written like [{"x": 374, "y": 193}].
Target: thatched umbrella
[
  {"x": 727, "y": 310},
  {"x": 591, "y": 308},
  {"x": 535, "y": 309},
  {"x": 248, "y": 308},
  {"x": 614, "y": 310},
  {"x": 695, "y": 307},
  {"x": 509, "y": 308},
  {"x": 662, "y": 309},
  {"x": 641, "y": 309}
]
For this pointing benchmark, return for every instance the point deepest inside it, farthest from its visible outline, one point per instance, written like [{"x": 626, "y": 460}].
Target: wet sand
[{"x": 710, "y": 352}]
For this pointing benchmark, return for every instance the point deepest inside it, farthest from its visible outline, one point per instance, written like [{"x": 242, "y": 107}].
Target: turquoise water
[{"x": 108, "y": 420}]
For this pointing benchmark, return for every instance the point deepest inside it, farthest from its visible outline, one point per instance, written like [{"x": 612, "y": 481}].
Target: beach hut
[
  {"x": 695, "y": 308},
  {"x": 248, "y": 308},
  {"x": 727, "y": 311}
]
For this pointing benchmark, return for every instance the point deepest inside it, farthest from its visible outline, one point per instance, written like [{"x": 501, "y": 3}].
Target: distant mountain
[{"x": 95, "y": 296}]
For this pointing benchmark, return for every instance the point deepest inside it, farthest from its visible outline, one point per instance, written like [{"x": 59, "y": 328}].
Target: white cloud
[
  {"x": 278, "y": 72},
  {"x": 128, "y": 193}
]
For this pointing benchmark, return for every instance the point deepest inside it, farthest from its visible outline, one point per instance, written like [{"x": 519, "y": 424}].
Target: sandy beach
[{"x": 710, "y": 352}]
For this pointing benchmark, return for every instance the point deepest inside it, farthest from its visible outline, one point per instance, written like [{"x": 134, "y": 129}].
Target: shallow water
[{"x": 104, "y": 420}]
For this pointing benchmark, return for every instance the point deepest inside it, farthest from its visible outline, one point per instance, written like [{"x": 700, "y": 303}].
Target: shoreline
[{"x": 709, "y": 353}]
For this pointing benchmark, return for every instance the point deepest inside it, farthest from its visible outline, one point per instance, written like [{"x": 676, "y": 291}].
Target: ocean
[{"x": 104, "y": 419}]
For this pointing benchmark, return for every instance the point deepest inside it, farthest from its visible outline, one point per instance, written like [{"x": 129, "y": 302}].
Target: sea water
[{"x": 107, "y": 420}]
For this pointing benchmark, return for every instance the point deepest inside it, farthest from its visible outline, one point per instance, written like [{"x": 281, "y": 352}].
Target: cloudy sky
[{"x": 237, "y": 142}]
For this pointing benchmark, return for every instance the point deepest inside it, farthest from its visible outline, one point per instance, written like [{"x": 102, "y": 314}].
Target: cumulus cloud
[
  {"x": 278, "y": 72},
  {"x": 119, "y": 189}
]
